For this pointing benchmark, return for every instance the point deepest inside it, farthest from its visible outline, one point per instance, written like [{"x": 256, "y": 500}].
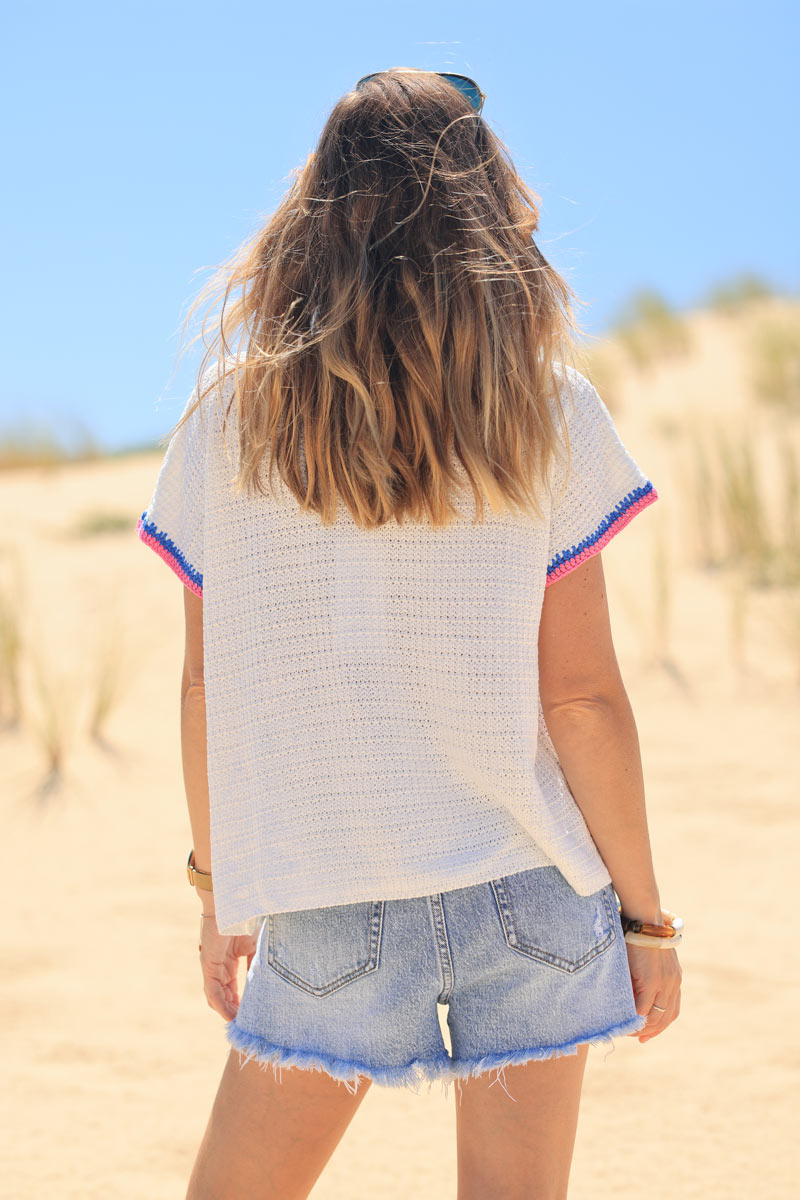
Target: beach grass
[
  {"x": 775, "y": 361},
  {"x": 99, "y": 522},
  {"x": 49, "y": 718},
  {"x": 10, "y": 658},
  {"x": 108, "y": 682},
  {"x": 698, "y": 472},
  {"x": 734, "y": 296},
  {"x": 742, "y": 507},
  {"x": 30, "y": 442},
  {"x": 649, "y": 329}
]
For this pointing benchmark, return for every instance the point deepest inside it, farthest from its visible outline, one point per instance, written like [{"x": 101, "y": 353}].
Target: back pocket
[
  {"x": 322, "y": 949},
  {"x": 543, "y": 917}
]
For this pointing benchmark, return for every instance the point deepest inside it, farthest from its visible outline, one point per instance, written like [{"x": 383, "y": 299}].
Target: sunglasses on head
[{"x": 468, "y": 87}]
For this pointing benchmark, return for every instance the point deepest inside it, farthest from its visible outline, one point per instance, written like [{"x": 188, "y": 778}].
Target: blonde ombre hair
[{"x": 392, "y": 311}]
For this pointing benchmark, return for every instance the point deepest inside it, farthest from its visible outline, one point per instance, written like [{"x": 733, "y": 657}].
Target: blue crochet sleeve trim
[
  {"x": 616, "y": 520},
  {"x": 164, "y": 546}
]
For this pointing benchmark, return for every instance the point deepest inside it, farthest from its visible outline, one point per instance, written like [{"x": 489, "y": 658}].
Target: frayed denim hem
[
  {"x": 411, "y": 1075},
  {"x": 498, "y": 1062}
]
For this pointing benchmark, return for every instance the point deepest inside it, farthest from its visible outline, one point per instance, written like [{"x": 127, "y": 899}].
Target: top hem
[{"x": 249, "y": 916}]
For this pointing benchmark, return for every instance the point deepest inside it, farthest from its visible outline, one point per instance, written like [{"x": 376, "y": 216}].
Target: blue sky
[{"x": 145, "y": 142}]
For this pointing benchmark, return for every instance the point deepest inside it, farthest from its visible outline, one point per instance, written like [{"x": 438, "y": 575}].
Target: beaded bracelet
[
  {"x": 645, "y": 933},
  {"x": 653, "y": 943}
]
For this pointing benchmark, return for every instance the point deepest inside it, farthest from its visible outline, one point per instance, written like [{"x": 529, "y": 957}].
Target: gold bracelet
[{"x": 200, "y": 879}]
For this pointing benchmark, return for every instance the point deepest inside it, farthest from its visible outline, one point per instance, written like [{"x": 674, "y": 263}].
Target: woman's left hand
[{"x": 219, "y": 961}]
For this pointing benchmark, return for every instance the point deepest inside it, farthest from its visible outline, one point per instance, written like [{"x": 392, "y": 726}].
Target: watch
[{"x": 201, "y": 879}]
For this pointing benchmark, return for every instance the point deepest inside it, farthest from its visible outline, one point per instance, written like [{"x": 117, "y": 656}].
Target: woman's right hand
[{"x": 656, "y": 978}]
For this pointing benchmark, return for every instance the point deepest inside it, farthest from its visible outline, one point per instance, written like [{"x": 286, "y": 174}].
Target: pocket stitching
[
  {"x": 506, "y": 913},
  {"x": 372, "y": 963}
]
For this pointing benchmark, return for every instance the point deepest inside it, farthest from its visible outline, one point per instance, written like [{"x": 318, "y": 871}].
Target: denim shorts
[{"x": 527, "y": 968}]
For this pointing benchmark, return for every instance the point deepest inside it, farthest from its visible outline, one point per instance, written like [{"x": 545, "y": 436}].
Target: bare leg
[
  {"x": 522, "y": 1150},
  {"x": 268, "y": 1138}
]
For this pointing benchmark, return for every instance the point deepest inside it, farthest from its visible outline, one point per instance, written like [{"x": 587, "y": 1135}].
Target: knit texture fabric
[{"x": 373, "y": 722}]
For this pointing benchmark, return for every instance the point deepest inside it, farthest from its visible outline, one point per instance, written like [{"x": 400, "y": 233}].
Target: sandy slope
[{"x": 111, "y": 1056}]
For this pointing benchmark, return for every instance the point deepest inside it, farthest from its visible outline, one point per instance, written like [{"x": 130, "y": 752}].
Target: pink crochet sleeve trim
[
  {"x": 595, "y": 547},
  {"x": 165, "y": 549}
]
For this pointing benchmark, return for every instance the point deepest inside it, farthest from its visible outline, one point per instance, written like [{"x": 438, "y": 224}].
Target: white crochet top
[{"x": 374, "y": 729}]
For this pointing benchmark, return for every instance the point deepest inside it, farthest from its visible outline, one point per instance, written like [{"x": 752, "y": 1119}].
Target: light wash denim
[{"x": 528, "y": 970}]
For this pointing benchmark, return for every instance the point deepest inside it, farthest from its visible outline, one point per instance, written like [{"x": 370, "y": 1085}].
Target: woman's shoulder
[
  {"x": 216, "y": 385},
  {"x": 573, "y": 385}
]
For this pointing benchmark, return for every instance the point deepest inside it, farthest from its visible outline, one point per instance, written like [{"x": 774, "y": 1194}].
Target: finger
[
  {"x": 219, "y": 1001},
  {"x": 644, "y": 1002},
  {"x": 659, "y": 1008},
  {"x": 233, "y": 979},
  {"x": 672, "y": 1013},
  {"x": 230, "y": 987},
  {"x": 643, "y": 1008},
  {"x": 217, "y": 981},
  {"x": 657, "y": 1021}
]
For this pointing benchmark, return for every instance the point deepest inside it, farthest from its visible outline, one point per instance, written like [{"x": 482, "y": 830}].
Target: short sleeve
[
  {"x": 173, "y": 523},
  {"x": 600, "y": 491}
]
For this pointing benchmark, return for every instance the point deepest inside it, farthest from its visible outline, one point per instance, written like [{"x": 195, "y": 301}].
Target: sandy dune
[{"x": 111, "y": 1057}]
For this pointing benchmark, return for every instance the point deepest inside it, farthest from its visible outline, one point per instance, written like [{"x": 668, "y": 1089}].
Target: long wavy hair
[{"x": 393, "y": 312}]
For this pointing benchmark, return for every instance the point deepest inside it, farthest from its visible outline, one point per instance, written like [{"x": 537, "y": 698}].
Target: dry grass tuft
[
  {"x": 49, "y": 719},
  {"x": 12, "y": 607},
  {"x": 110, "y": 679},
  {"x": 742, "y": 491},
  {"x": 662, "y": 594},
  {"x": 649, "y": 330},
  {"x": 738, "y": 598},
  {"x": 734, "y": 296},
  {"x": 599, "y": 362},
  {"x": 699, "y": 486},
  {"x": 99, "y": 522},
  {"x": 789, "y": 549},
  {"x": 789, "y": 623},
  {"x": 742, "y": 507},
  {"x": 34, "y": 443},
  {"x": 10, "y": 651},
  {"x": 732, "y": 524},
  {"x": 775, "y": 359}
]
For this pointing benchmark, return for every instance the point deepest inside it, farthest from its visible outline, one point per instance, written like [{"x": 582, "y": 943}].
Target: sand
[{"x": 111, "y": 1055}]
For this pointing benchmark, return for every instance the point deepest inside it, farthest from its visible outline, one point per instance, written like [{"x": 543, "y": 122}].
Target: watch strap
[{"x": 200, "y": 879}]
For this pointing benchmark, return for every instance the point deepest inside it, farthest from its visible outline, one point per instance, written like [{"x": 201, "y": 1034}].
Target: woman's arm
[
  {"x": 219, "y": 954},
  {"x": 591, "y": 724},
  {"x": 193, "y": 739}
]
